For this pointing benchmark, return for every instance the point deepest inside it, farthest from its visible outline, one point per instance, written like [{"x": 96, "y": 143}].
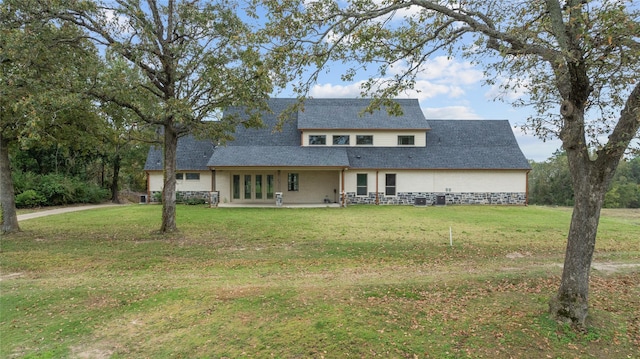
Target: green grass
[{"x": 365, "y": 281}]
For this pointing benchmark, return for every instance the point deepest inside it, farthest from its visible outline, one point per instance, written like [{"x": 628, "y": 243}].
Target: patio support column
[
  {"x": 342, "y": 191},
  {"x": 377, "y": 197}
]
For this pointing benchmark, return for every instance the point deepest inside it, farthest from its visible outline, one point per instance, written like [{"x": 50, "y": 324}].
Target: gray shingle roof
[
  {"x": 288, "y": 156},
  {"x": 267, "y": 135},
  {"x": 346, "y": 114},
  {"x": 191, "y": 154},
  {"x": 451, "y": 144}
]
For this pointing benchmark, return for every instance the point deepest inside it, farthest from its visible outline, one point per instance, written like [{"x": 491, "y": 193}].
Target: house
[{"x": 332, "y": 152}]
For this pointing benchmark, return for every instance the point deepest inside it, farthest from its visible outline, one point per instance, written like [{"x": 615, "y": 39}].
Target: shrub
[
  {"x": 55, "y": 189},
  {"x": 195, "y": 201},
  {"x": 30, "y": 198}
]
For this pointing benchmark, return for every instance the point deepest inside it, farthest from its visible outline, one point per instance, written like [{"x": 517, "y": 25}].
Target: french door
[{"x": 248, "y": 187}]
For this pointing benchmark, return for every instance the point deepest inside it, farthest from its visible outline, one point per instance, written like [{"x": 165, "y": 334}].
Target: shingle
[
  {"x": 267, "y": 135},
  {"x": 348, "y": 114},
  {"x": 191, "y": 154},
  {"x": 290, "y": 156},
  {"x": 451, "y": 144}
]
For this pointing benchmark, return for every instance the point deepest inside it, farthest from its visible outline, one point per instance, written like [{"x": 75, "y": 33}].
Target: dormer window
[
  {"x": 406, "y": 140},
  {"x": 341, "y": 140},
  {"x": 364, "y": 140},
  {"x": 317, "y": 140}
]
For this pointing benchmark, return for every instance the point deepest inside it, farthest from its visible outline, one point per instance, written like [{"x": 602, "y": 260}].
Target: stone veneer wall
[{"x": 408, "y": 198}]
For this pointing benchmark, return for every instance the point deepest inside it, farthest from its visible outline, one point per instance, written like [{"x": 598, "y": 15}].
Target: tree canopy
[
  {"x": 42, "y": 64},
  {"x": 182, "y": 64}
]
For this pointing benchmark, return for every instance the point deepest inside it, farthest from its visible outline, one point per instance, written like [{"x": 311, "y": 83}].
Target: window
[
  {"x": 247, "y": 186},
  {"x": 317, "y": 140},
  {"x": 179, "y": 176},
  {"x": 193, "y": 176},
  {"x": 270, "y": 186},
  {"x": 236, "y": 186},
  {"x": 364, "y": 140},
  {"x": 292, "y": 181},
  {"x": 341, "y": 140},
  {"x": 406, "y": 140},
  {"x": 258, "y": 186},
  {"x": 390, "y": 184},
  {"x": 361, "y": 186}
]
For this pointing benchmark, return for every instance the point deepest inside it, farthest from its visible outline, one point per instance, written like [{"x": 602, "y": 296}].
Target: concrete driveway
[{"x": 49, "y": 212}]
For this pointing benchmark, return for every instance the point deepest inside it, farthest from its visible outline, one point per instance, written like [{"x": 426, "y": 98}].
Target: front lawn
[{"x": 365, "y": 281}]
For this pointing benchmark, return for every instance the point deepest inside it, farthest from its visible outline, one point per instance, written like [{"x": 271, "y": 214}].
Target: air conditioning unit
[{"x": 420, "y": 201}]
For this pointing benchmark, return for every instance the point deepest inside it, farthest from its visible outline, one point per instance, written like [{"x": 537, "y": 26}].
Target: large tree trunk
[
  {"x": 590, "y": 178},
  {"x": 169, "y": 189},
  {"x": 571, "y": 302},
  {"x": 114, "y": 182},
  {"x": 7, "y": 194}
]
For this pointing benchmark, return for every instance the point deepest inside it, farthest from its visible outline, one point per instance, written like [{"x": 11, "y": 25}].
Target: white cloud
[
  {"x": 336, "y": 91},
  {"x": 450, "y": 112},
  {"x": 517, "y": 88},
  {"x": 449, "y": 70},
  {"x": 441, "y": 76}
]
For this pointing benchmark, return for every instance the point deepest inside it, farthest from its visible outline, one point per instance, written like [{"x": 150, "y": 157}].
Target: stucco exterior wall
[
  {"x": 156, "y": 182},
  {"x": 444, "y": 180},
  {"x": 380, "y": 138}
]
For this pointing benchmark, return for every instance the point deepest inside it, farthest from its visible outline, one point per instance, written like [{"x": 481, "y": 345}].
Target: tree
[
  {"x": 625, "y": 187},
  {"x": 187, "y": 62},
  {"x": 120, "y": 138},
  {"x": 40, "y": 62},
  {"x": 578, "y": 56},
  {"x": 550, "y": 181}
]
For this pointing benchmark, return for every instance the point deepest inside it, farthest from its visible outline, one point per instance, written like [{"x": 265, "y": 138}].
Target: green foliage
[
  {"x": 55, "y": 189},
  {"x": 625, "y": 187},
  {"x": 30, "y": 198},
  {"x": 550, "y": 183},
  {"x": 194, "y": 201}
]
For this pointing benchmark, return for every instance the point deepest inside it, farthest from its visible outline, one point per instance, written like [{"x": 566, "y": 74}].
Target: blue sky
[{"x": 449, "y": 89}]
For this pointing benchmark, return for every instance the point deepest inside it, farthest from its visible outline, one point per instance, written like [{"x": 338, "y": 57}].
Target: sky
[{"x": 450, "y": 89}]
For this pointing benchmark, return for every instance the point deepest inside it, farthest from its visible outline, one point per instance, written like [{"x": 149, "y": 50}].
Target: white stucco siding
[
  {"x": 443, "y": 180},
  {"x": 480, "y": 181},
  {"x": 156, "y": 181},
  {"x": 314, "y": 187},
  {"x": 201, "y": 184},
  {"x": 223, "y": 185},
  {"x": 351, "y": 180},
  {"x": 386, "y": 139},
  {"x": 380, "y": 138}
]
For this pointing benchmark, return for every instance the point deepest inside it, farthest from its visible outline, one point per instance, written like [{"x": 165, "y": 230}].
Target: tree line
[{"x": 550, "y": 183}]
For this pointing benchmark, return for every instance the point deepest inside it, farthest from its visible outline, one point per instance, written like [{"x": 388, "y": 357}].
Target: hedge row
[{"x": 33, "y": 190}]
